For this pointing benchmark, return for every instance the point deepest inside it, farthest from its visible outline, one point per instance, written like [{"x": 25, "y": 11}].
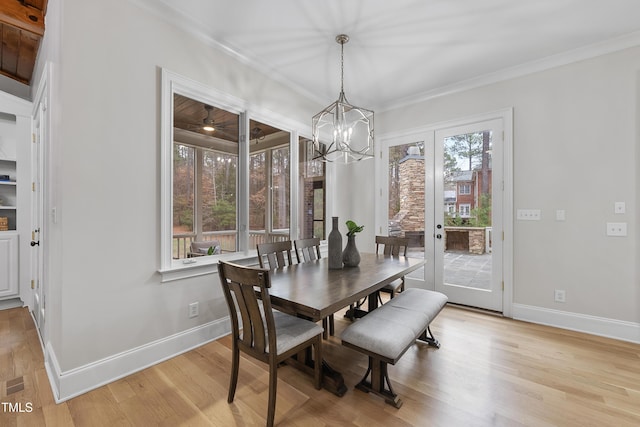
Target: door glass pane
[
  {"x": 311, "y": 184},
  {"x": 406, "y": 194},
  {"x": 467, "y": 210}
]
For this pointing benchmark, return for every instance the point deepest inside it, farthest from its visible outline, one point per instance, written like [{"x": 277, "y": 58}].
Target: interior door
[
  {"x": 468, "y": 201},
  {"x": 37, "y": 203}
]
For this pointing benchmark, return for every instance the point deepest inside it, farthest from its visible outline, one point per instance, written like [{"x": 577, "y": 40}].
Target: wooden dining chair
[
  {"x": 276, "y": 254},
  {"x": 309, "y": 250},
  {"x": 393, "y": 246},
  {"x": 266, "y": 335}
]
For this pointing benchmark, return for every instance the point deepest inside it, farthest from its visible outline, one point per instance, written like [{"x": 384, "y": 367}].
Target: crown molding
[{"x": 587, "y": 52}]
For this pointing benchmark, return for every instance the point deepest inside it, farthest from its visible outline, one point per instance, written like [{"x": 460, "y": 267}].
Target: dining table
[{"x": 313, "y": 291}]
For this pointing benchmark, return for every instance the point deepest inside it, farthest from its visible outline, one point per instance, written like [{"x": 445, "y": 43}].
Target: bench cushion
[{"x": 389, "y": 330}]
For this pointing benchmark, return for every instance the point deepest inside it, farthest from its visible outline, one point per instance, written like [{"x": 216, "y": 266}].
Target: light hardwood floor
[{"x": 490, "y": 371}]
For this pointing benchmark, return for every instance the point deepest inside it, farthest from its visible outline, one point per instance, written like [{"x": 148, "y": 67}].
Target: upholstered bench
[{"x": 387, "y": 332}]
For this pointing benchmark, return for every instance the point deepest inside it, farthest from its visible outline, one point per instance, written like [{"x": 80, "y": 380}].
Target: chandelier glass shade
[{"x": 342, "y": 132}]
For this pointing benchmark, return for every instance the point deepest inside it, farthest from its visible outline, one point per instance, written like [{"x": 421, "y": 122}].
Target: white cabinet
[
  {"x": 8, "y": 195},
  {"x": 8, "y": 265},
  {"x": 15, "y": 186}
]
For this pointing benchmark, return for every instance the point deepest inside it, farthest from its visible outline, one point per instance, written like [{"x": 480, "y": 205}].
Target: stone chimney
[{"x": 411, "y": 172}]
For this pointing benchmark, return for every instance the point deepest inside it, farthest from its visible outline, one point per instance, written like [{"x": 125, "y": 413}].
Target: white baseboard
[
  {"x": 601, "y": 326},
  {"x": 72, "y": 383}
]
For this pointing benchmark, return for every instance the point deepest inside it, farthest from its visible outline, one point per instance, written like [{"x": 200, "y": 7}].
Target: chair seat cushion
[
  {"x": 393, "y": 286},
  {"x": 291, "y": 330}
]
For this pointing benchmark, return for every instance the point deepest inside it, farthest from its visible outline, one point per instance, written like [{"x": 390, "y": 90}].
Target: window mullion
[{"x": 197, "y": 202}]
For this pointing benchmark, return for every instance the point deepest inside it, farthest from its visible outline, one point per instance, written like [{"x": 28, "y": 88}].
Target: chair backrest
[
  {"x": 307, "y": 249},
  {"x": 394, "y": 246},
  {"x": 277, "y": 254},
  {"x": 203, "y": 247},
  {"x": 258, "y": 328}
]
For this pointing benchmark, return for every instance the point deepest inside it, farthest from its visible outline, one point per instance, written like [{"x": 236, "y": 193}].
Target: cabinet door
[{"x": 8, "y": 265}]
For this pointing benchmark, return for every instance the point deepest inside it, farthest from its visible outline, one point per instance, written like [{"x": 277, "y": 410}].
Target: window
[
  {"x": 464, "y": 188},
  {"x": 465, "y": 210},
  {"x": 269, "y": 184},
  {"x": 205, "y": 159},
  {"x": 232, "y": 186}
]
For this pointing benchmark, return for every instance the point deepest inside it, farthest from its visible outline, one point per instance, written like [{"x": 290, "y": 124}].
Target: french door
[
  {"x": 445, "y": 193},
  {"x": 468, "y": 214}
]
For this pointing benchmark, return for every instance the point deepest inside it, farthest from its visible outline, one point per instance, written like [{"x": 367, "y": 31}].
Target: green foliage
[
  {"x": 454, "y": 221},
  {"x": 223, "y": 216},
  {"x": 481, "y": 215},
  {"x": 353, "y": 228}
]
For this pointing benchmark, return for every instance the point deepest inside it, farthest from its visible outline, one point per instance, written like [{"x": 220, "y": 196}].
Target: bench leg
[
  {"x": 379, "y": 384},
  {"x": 427, "y": 337}
]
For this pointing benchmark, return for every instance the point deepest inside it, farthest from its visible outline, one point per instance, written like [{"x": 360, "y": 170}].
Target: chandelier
[{"x": 342, "y": 132}]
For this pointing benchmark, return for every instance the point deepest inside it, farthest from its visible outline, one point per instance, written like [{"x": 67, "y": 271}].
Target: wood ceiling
[
  {"x": 190, "y": 115},
  {"x": 21, "y": 30}
]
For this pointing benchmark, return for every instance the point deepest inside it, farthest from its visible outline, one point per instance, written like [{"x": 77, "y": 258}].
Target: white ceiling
[{"x": 402, "y": 51}]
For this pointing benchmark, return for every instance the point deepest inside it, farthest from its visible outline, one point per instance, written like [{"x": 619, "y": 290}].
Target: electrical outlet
[
  {"x": 618, "y": 229},
  {"x": 193, "y": 309},
  {"x": 560, "y": 295}
]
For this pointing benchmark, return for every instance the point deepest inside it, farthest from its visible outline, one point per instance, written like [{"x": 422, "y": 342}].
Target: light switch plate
[
  {"x": 528, "y": 214},
  {"x": 619, "y": 207}
]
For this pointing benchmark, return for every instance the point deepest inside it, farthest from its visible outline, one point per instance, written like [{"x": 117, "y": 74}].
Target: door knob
[
  {"x": 34, "y": 243},
  {"x": 439, "y": 226}
]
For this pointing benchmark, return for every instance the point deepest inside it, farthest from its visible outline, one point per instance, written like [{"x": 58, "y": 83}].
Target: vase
[
  {"x": 350, "y": 255},
  {"x": 335, "y": 246}
]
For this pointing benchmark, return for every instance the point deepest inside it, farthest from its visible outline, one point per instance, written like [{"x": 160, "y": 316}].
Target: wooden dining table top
[{"x": 312, "y": 290}]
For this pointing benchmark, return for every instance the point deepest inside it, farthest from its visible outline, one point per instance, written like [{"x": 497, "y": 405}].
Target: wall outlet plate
[
  {"x": 193, "y": 309},
  {"x": 617, "y": 229}
]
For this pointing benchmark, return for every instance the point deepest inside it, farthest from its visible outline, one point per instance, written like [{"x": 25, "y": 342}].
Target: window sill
[{"x": 201, "y": 266}]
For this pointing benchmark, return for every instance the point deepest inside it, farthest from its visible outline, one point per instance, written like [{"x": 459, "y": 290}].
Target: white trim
[
  {"x": 75, "y": 382},
  {"x": 601, "y": 326}
]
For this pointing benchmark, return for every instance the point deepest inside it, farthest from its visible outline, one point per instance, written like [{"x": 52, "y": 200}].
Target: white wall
[
  {"x": 108, "y": 311},
  {"x": 575, "y": 139}
]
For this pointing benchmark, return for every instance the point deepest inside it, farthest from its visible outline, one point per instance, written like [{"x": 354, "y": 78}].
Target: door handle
[
  {"x": 438, "y": 236},
  {"x": 35, "y": 243}
]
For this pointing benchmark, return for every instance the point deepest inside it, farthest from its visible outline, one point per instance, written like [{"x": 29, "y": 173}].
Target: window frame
[
  {"x": 172, "y": 83},
  {"x": 464, "y": 209},
  {"x": 465, "y": 188}
]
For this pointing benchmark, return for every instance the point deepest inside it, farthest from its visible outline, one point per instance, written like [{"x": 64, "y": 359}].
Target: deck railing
[{"x": 227, "y": 240}]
